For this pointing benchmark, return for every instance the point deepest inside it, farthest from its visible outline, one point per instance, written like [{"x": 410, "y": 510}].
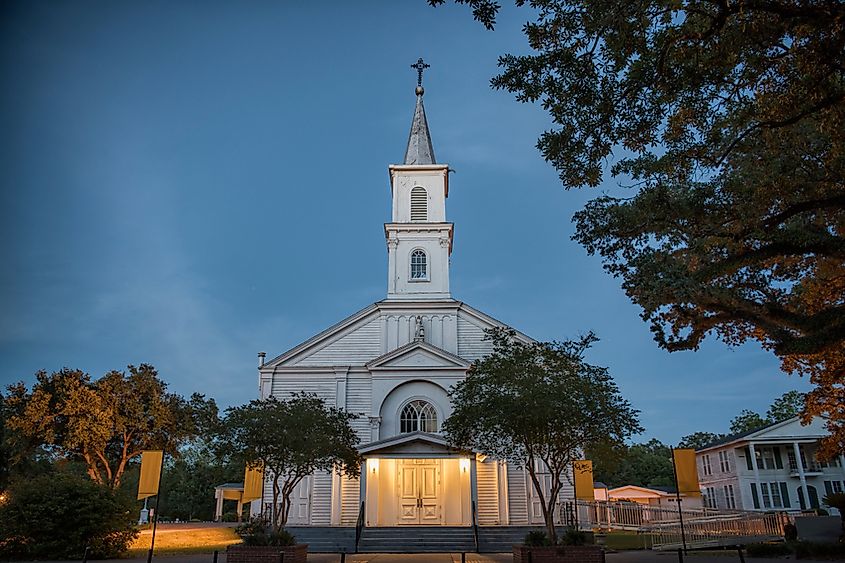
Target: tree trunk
[{"x": 548, "y": 513}]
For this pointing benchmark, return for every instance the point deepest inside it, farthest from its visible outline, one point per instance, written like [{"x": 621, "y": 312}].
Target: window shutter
[
  {"x": 419, "y": 204},
  {"x": 784, "y": 493},
  {"x": 828, "y": 488},
  {"x": 747, "y": 452},
  {"x": 754, "y": 496},
  {"x": 778, "y": 460}
]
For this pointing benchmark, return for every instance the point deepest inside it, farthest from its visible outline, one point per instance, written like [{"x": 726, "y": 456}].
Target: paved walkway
[{"x": 621, "y": 557}]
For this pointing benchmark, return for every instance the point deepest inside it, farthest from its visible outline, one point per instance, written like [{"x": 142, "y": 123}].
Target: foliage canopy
[
  {"x": 727, "y": 120},
  {"x": 538, "y": 405},
  {"x": 56, "y": 516},
  {"x": 105, "y": 423},
  {"x": 291, "y": 439}
]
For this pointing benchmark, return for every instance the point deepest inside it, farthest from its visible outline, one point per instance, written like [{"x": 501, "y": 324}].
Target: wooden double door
[{"x": 420, "y": 492}]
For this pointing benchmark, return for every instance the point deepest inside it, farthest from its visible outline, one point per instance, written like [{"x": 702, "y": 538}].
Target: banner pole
[
  {"x": 155, "y": 516},
  {"x": 575, "y": 492},
  {"x": 678, "y": 501}
]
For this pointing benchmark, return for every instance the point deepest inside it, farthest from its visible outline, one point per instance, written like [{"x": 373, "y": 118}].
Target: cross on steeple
[{"x": 420, "y": 66}]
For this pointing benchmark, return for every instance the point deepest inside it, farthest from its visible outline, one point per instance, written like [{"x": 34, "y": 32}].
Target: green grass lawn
[
  {"x": 621, "y": 541},
  {"x": 183, "y": 540}
]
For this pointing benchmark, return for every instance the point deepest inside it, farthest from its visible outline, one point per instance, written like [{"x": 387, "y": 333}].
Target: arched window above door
[{"x": 418, "y": 416}]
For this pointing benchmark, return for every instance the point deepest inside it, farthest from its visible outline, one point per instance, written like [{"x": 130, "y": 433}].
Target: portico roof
[{"x": 412, "y": 444}]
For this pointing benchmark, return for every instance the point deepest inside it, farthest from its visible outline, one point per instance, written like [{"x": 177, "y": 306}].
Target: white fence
[{"x": 702, "y": 527}]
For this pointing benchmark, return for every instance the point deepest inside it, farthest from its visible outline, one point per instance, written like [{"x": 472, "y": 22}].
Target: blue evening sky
[{"x": 185, "y": 183}]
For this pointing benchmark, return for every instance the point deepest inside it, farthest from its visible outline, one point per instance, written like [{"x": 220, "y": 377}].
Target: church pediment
[
  {"x": 418, "y": 355},
  {"x": 414, "y": 444}
]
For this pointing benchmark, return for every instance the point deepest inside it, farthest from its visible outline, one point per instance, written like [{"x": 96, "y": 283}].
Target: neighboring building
[
  {"x": 655, "y": 497},
  {"x": 770, "y": 468},
  {"x": 393, "y": 362}
]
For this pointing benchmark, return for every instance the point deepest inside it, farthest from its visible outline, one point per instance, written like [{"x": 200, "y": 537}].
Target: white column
[
  {"x": 805, "y": 492},
  {"x": 218, "y": 511},
  {"x": 337, "y": 498},
  {"x": 365, "y": 469},
  {"x": 240, "y": 508},
  {"x": 473, "y": 486},
  {"x": 753, "y": 453},
  {"x": 504, "y": 515},
  {"x": 375, "y": 425},
  {"x": 392, "y": 243}
]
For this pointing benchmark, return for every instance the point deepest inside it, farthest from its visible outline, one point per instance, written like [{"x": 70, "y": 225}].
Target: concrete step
[{"x": 417, "y": 539}]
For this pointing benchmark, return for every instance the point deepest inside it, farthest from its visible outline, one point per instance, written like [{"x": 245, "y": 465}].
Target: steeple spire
[{"x": 419, "y": 149}]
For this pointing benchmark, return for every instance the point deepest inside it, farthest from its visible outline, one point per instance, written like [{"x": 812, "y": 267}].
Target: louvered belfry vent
[{"x": 419, "y": 204}]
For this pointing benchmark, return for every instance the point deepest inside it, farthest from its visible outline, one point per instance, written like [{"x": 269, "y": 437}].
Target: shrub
[
  {"x": 56, "y": 516},
  {"x": 257, "y": 531},
  {"x": 537, "y": 538},
  {"x": 767, "y": 549},
  {"x": 573, "y": 536},
  {"x": 812, "y": 550},
  {"x": 790, "y": 532}
]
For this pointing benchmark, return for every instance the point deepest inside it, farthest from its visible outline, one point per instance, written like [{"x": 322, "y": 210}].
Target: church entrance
[{"x": 419, "y": 495}]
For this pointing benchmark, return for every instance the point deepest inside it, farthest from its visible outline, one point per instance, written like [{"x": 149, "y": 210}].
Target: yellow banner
[
  {"x": 686, "y": 472},
  {"x": 583, "y": 470},
  {"x": 253, "y": 483},
  {"x": 150, "y": 473}
]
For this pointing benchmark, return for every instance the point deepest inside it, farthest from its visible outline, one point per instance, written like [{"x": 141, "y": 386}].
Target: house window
[
  {"x": 705, "y": 465},
  {"x": 710, "y": 497},
  {"x": 419, "y": 270},
  {"x": 418, "y": 416},
  {"x": 730, "y": 498},
  {"x": 419, "y": 204},
  {"x": 767, "y": 500},
  {"x": 724, "y": 462}
]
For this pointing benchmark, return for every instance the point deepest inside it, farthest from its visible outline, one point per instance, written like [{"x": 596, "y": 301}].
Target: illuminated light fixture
[
  {"x": 464, "y": 464},
  {"x": 373, "y": 464}
]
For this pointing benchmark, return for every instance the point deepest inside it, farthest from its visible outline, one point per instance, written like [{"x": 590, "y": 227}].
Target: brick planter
[
  {"x": 266, "y": 554},
  {"x": 558, "y": 554}
]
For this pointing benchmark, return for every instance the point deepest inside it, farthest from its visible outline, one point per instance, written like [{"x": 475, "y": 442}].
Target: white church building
[{"x": 393, "y": 363}]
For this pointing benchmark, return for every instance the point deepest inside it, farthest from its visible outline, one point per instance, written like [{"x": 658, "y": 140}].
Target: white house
[
  {"x": 770, "y": 468},
  {"x": 393, "y": 362}
]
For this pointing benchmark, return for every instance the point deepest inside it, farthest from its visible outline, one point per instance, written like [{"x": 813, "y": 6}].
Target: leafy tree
[
  {"x": 786, "y": 406},
  {"x": 105, "y": 423},
  {"x": 644, "y": 465},
  {"x": 189, "y": 481},
  {"x": 727, "y": 120},
  {"x": 538, "y": 404},
  {"x": 56, "y": 516},
  {"x": 698, "y": 440},
  {"x": 746, "y": 421},
  {"x": 291, "y": 439}
]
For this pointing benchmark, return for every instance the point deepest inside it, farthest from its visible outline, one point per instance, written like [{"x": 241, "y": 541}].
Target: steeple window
[
  {"x": 419, "y": 265},
  {"x": 419, "y": 204}
]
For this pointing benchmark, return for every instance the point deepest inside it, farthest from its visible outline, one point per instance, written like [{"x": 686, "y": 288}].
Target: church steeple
[
  {"x": 419, "y": 240},
  {"x": 419, "y": 149}
]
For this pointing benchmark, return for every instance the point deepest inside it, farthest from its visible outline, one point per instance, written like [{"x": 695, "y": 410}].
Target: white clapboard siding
[
  {"x": 359, "y": 394},
  {"x": 356, "y": 348},
  {"x": 488, "y": 493},
  {"x": 471, "y": 342},
  {"x": 350, "y": 501},
  {"x": 284, "y": 385},
  {"x": 321, "y": 499},
  {"x": 517, "y": 495}
]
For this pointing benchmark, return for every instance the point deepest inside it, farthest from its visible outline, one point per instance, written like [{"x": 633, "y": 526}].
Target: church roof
[{"x": 420, "y": 150}]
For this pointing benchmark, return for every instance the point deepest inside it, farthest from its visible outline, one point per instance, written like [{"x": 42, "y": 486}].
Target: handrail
[
  {"x": 359, "y": 526},
  {"x": 475, "y": 526}
]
